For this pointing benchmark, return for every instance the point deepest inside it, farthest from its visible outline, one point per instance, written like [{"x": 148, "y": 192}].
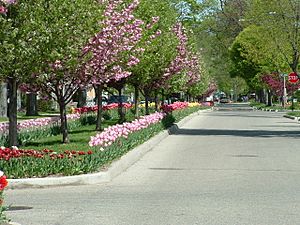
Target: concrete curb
[
  {"x": 10, "y": 223},
  {"x": 292, "y": 117},
  {"x": 114, "y": 170}
]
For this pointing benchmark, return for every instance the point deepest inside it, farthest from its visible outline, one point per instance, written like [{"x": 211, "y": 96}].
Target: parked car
[
  {"x": 118, "y": 99},
  {"x": 224, "y": 100}
]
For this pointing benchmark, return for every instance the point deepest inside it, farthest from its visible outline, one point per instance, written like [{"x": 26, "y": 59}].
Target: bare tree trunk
[
  {"x": 261, "y": 96},
  {"x": 146, "y": 102},
  {"x": 3, "y": 99},
  {"x": 156, "y": 101},
  {"x": 187, "y": 97},
  {"x": 136, "y": 101},
  {"x": 99, "y": 90},
  {"x": 31, "y": 104},
  {"x": 81, "y": 98},
  {"x": 270, "y": 103},
  {"x": 121, "y": 112},
  {"x": 162, "y": 97},
  {"x": 63, "y": 121},
  {"x": 12, "y": 112}
]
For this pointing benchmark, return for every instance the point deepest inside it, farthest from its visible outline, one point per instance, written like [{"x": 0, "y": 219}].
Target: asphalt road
[{"x": 228, "y": 167}]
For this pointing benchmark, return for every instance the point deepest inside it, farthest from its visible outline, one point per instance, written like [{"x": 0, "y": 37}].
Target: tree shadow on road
[
  {"x": 237, "y": 133},
  {"x": 242, "y": 115}
]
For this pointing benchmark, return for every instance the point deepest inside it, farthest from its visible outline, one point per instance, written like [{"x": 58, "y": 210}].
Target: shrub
[
  {"x": 45, "y": 105},
  {"x": 168, "y": 121}
]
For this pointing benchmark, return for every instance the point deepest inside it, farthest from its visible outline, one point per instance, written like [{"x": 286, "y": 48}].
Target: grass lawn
[
  {"x": 296, "y": 114},
  {"x": 3, "y": 119},
  {"x": 22, "y": 116},
  {"x": 79, "y": 139}
]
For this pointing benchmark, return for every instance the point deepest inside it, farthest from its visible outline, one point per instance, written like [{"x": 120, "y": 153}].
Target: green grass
[
  {"x": 22, "y": 116},
  {"x": 80, "y": 136},
  {"x": 295, "y": 114},
  {"x": 79, "y": 139}
]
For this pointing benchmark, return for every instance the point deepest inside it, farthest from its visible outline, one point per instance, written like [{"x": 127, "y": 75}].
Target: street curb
[
  {"x": 10, "y": 223},
  {"x": 292, "y": 117},
  {"x": 116, "y": 168}
]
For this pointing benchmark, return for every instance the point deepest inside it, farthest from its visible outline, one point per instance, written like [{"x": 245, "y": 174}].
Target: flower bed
[
  {"x": 3, "y": 184},
  {"x": 104, "y": 108},
  {"x": 37, "y": 123},
  {"x": 114, "y": 142},
  {"x": 194, "y": 104},
  {"x": 112, "y": 133},
  {"x": 174, "y": 106},
  {"x": 37, "y": 128},
  {"x": 20, "y": 163}
]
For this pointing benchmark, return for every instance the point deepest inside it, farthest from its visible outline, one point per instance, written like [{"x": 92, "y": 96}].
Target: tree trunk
[
  {"x": 146, "y": 102},
  {"x": 31, "y": 104},
  {"x": 81, "y": 98},
  {"x": 63, "y": 121},
  {"x": 162, "y": 97},
  {"x": 261, "y": 96},
  {"x": 186, "y": 98},
  {"x": 19, "y": 100},
  {"x": 270, "y": 103},
  {"x": 12, "y": 112},
  {"x": 156, "y": 101},
  {"x": 121, "y": 112},
  {"x": 136, "y": 101},
  {"x": 3, "y": 99},
  {"x": 99, "y": 90}
]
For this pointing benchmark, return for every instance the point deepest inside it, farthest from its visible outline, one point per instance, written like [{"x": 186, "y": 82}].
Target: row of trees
[
  {"x": 106, "y": 43},
  {"x": 269, "y": 44},
  {"x": 250, "y": 40}
]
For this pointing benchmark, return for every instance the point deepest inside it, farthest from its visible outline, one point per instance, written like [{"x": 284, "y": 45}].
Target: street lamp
[{"x": 284, "y": 97}]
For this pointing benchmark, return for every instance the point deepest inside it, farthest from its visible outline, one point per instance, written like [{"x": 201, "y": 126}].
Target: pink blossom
[
  {"x": 3, "y": 10},
  {"x": 174, "y": 106},
  {"x": 9, "y": 2},
  {"x": 120, "y": 33},
  {"x": 275, "y": 83},
  {"x": 112, "y": 133},
  {"x": 27, "y": 125}
]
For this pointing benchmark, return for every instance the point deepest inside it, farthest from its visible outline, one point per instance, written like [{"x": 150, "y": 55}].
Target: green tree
[
  {"x": 63, "y": 33},
  {"x": 32, "y": 40},
  {"x": 281, "y": 21},
  {"x": 160, "y": 52},
  {"x": 218, "y": 26},
  {"x": 18, "y": 55}
]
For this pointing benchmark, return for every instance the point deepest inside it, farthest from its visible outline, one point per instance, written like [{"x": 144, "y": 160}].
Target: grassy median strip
[{"x": 48, "y": 157}]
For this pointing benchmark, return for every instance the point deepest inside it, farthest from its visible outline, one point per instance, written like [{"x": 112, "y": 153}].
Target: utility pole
[{"x": 284, "y": 97}]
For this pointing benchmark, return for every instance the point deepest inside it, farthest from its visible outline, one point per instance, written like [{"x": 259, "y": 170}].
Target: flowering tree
[
  {"x": 184, "y": 70},
  {"x": 110, "y": 52},
  {"x": 212, "y": 87},
  {"x": 60, "y": 40},
  {"x": 44, "y": 44},
  {"x": 159, "y": 43},
  {"x": 275, "y": 83}
]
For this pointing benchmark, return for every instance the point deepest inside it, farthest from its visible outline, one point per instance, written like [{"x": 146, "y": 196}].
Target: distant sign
[{"x": 293, "y": 77}]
